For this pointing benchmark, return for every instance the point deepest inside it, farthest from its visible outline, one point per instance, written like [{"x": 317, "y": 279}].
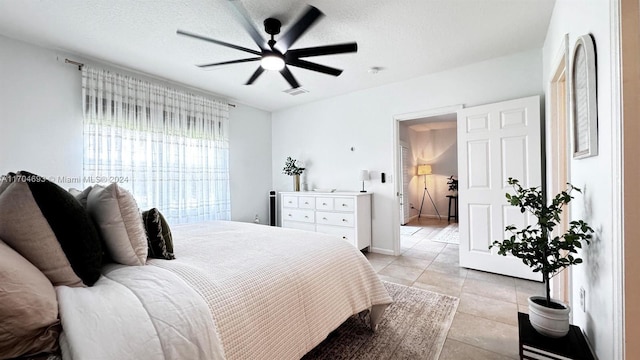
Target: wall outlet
[{"x": 582, "y": 299}]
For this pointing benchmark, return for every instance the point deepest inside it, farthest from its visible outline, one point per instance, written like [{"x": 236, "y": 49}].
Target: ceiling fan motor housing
[{"x": 272, "y": 26}]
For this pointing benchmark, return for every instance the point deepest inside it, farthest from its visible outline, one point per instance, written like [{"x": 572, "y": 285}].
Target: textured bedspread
[{"x": 271, "y": 293}]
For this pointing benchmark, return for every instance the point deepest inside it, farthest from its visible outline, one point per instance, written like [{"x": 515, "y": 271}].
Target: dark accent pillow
[
  {"x": 49, "y": 227},
  {"x": 158, "y": 235}
]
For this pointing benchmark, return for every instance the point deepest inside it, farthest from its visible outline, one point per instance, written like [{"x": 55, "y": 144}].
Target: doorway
[{"x": 427, "y": 159}]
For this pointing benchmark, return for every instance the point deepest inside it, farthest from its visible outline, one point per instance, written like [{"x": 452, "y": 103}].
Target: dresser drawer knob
[
  {"x": 324, "y": 218},
  {"x": 290, "y": 215},
  {"x": 344, "y": 220},
  {"x": 344, "y": 205},
  {"x": 324, "y": 204},
  {"x": 306, "y": 217}
]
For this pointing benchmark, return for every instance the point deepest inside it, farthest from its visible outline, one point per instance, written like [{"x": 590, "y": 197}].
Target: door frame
[
  {"x": 559, "y": 166},
  {"x": 395, "y": 227},
  {"x": 625, "y": 74},
  {"x": 403, "y": 144}
]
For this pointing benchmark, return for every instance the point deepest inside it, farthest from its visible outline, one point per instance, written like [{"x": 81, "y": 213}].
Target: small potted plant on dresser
[
  {"x": 545, "y": 252},
  {"x": 293, "y": 167}
]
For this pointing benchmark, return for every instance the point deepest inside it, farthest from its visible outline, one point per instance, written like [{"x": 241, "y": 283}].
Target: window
[{"x": 168, "y": 147}]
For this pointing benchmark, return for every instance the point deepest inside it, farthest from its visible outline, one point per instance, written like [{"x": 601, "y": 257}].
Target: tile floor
[{"x": 485, "y": 325}]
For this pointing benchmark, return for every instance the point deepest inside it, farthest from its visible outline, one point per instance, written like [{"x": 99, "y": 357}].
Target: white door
[
  {"x": 406, "y": 166},
  {"x": 495, "y": 142}
]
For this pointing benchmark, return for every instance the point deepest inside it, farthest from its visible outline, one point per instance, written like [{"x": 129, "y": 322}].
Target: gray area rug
[
  {"x": 449, "y": 235},
  {"x": 415, "y": 326}
]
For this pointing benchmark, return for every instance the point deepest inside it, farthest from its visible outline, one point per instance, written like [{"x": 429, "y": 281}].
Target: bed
[
  {"x": 259, "y": 292},
  {"x": 234, "y": 290}
]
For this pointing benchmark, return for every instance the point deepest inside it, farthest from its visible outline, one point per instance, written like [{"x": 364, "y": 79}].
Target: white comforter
[{"x": 235, "y": 291}]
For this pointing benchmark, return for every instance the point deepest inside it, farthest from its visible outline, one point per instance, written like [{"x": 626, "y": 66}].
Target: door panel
[{"x": 495, "y": 142}]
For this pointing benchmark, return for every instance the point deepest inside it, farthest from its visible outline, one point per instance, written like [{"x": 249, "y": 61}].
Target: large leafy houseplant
[{"x": 536, "y": 245}]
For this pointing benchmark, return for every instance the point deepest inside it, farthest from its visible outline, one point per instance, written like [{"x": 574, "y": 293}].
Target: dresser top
[{"x": 335, "y": 193}]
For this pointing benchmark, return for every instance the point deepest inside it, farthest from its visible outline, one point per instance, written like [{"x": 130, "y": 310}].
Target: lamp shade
[
  {"x": 424, "y": 169},
  {"x": 363, "y": 175}
]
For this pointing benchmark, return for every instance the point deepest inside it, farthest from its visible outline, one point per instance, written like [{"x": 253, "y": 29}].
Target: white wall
[
  {"x": 250, "y": 163},
  {"x": 322, "y": 133},
  {"x": 437, "y": 148},
  {"x": 593, "y": 175},
  {"x": 41, "y": 126}
]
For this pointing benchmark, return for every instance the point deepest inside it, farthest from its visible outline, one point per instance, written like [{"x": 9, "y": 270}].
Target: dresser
[{"x": 344, "y": 214}]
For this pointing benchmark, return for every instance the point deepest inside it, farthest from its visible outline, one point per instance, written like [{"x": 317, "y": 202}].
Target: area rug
[
  {"x": 415, "y": 326},
  {"x": 449, "y": 235},
  {"x": 409, "y": 230}
]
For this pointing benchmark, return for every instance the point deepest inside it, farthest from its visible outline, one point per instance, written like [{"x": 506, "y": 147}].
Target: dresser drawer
[
  {"x": 324, "y": 203},
  {"x": 290, "y": 201},
  {"x": 306, "y": 202},
  {"x": 348, "y": 234},
  {"x": 298, "y": 215},
  {"x": 299, "y": 225},
  {"x": 343, "y": 204},
  {"x": 334, "y": 218}
]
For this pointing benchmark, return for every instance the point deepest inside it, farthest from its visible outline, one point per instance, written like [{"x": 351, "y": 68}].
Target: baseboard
[
  {"x": 381, "y": 251},
  {"x": 432, "y": 216},
  {"x": 411, "y": 218}
]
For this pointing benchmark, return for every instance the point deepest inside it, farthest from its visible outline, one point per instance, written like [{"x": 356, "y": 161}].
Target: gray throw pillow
[{"x": 119, "y": 222}]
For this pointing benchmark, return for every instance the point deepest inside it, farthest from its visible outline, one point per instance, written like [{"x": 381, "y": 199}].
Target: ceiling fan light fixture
[{"x": 272, "y": 62}]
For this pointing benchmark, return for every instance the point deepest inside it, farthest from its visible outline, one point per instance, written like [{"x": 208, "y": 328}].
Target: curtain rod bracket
[{"x": 79, "y": 65}]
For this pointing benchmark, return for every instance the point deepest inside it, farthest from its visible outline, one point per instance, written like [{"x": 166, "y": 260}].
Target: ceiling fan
[{"x": 276, "y": 55}]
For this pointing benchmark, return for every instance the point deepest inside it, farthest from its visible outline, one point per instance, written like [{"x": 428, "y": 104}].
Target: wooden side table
[
  {"x": 453, "y": 200},
  {"x": 534, "y": 346}
]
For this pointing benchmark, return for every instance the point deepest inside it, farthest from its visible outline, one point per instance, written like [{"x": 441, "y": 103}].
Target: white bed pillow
[{"x": 119, "y": 221}]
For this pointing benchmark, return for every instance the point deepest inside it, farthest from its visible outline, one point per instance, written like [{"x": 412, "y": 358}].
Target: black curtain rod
[{"x": 80, "y": 65}]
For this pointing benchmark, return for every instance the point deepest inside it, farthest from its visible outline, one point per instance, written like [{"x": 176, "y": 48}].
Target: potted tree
[{"x": 545, "y": 252}]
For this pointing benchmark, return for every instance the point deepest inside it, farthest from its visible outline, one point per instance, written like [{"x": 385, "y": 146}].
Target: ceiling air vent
[{"x": 296, "y": 91}]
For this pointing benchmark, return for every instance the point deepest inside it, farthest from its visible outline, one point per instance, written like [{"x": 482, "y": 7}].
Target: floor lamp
[{"x": 426, "y": 170}]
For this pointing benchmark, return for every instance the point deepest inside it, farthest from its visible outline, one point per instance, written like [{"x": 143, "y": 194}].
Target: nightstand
[{"x": 572, "y": 346}]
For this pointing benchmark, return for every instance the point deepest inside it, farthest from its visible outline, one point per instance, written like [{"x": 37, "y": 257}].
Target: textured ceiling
[{"x": 406, "y": 38}]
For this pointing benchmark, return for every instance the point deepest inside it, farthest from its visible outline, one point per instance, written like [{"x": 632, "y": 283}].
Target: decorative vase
[
  {"x": 296, "y": 182},
  {"x": 551, "y": 322}
]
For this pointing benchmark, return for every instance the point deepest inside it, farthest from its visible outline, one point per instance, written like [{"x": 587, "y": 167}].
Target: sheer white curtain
[{"x": 168, "y": 147}]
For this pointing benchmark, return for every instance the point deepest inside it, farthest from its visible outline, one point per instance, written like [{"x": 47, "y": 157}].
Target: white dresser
[{"x": 345, "y": 214}]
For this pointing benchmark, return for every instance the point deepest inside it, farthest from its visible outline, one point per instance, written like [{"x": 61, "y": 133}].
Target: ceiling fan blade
[
  {"x": 229, "y": 62},
  {"x": 324, "y": 50},
  {"x": 303, "y": 24},
  {"x": 314, "y": 67},
  {"x": 289, "y": 77},
  {"x": 246, "y": 22},
  {"x": 255, "y": 75},
  {"x": 196, "y": 36}
]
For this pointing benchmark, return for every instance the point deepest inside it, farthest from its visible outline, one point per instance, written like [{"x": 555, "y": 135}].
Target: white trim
[
  {"x": 395, "y": 226},
  {"x": 562, "y": 283},
  {"x": 427, "y": 113},
  {"x": 381, "y": 251},
  {"x": 617, "y": 199}
]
